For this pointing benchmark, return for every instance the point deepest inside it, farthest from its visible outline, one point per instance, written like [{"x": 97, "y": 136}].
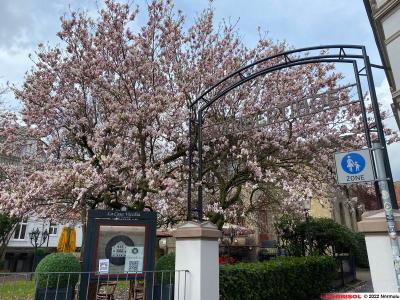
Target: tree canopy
[{"x": 105, "y": 120}]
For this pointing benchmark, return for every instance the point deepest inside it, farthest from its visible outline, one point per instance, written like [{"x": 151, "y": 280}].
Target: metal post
[
  {"x": 366, "y": 129},
  {"x": 190, "y": 159},
  {"x": 307, "y": 237},
  {"x": 200, "y": 168},
  {"x": 387, "y": 205},
  {"x": 379, "y": 128},
  {"x": 34, "y": 257}
]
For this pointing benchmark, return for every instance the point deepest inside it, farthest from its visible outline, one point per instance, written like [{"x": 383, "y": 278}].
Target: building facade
[
  {"x": 384, "y": 16},
  {"x": 342, "y": 207},
  {"x": 19, "y": 253}
]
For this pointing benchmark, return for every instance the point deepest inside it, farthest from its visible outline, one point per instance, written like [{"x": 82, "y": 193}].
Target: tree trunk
[{"x": 4, "y": 243}]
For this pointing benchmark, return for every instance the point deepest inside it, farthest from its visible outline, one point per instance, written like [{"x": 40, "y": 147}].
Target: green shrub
[
  {"x": 318, "y": 236},
  {"x": 326, "y": 233},
  {"x": 284, "y": 278},
  {"x": 360, "y": 252},
  {"x": 41, "y": 252},
  {"x": 290, "y": 239},
  {"x": 166, "y": 263},
  {"x": 2, "y": 264},
  {"x": 57, "y": 262}
]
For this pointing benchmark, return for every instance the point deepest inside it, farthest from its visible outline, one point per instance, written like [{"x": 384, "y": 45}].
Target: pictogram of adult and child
[{"x": 353, "y": 163}]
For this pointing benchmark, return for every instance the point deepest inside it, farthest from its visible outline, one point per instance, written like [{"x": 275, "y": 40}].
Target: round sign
[{"x": 353, "y": 163}]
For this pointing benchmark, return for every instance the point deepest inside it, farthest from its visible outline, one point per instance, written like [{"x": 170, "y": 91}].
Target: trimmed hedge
[
  {"x": 284, "y": 278},
  {"x": 166, "y": 263},
  {"x": 57, "y": 262},
  {"x": 319, "y": 236},
  {"x": 360, "y": 252}
]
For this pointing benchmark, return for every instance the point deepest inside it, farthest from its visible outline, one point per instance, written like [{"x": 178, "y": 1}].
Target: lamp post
[
  {"x": 232, "y": 234},
  {"x": 307, "y": 207},
  {"x": 37, "y": 238}
]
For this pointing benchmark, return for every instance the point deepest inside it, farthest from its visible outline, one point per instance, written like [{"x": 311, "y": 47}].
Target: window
[
  {"x": 20, "y": 230},
  {"x": 53, "y": 229}
]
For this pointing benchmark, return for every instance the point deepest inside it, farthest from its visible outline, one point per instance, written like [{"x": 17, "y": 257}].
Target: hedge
[
  {"x": 284, "y": 278},
  {"x": 360, "y": 252},
  {"x": 166, "y": 263},
  {"x": 319, "y": 236},
  {"x": 57, "y": 262}
]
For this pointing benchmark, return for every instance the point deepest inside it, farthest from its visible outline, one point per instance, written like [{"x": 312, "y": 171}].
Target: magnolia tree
[{"x": 105, "y": 115}]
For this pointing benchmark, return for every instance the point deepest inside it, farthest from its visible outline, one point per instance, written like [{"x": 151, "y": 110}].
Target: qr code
[{"x": 133, "y": 266}]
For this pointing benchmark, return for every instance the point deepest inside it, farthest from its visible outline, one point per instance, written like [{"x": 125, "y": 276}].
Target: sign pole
[{"x": 387, "y": 206}]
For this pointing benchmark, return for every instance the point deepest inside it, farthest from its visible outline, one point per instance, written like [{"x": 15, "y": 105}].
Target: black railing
[{"x": 158, "y": 285}]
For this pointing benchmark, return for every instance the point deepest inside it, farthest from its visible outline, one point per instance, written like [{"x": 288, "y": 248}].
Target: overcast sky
[{"x": 302, "y": 23}]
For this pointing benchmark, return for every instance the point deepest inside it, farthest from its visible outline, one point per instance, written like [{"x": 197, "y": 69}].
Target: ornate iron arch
[{"x": 355, "y": 55}]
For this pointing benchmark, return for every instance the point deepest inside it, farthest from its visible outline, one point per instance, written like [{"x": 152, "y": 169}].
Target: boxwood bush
[
  {"x": 360, "y": 252},
  {"x": 284, "y": 278},
  {"x": 166, "y": 263},
  {"x": 319, "y": 236},
  {"x": 57, "y": 262}
]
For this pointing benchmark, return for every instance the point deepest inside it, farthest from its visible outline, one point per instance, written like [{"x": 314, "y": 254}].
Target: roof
[{"x": 163, "y": 233}]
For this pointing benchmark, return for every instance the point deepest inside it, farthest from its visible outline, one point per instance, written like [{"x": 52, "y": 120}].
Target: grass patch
[
  {"x": 24, "y": 289},
  {"x": 17, "y": 290}
]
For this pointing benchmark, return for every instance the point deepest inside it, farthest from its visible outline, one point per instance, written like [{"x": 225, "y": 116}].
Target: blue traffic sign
[
  {"x": 353, "y": 163},
  {"x": 354, "y": 166}
]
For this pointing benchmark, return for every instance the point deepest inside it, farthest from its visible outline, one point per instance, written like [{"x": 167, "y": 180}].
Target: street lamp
[
  {"x": 37, "y": 239},
  {"x": 232, "y": 235},
  {"x": 307, "y": 207}
]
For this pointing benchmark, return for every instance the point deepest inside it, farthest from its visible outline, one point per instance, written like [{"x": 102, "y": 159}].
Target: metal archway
[{"x": 355, "y": 55}]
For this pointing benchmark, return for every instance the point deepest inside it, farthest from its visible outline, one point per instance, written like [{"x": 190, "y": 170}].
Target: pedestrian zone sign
[{"x": 354, "y": 166}]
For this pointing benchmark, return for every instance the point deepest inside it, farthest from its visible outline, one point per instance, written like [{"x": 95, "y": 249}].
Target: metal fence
[{"x": 150, "y": 285}]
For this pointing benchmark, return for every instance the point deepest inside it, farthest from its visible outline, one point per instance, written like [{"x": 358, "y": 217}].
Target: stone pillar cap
[
  {"x": 205, "y": 230},
  {"x": 380, "y": 213},
  {"x": 374, "y": 221}
]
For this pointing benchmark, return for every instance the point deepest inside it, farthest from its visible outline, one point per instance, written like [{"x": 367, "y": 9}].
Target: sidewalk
[{"x": 364, "y": 285}]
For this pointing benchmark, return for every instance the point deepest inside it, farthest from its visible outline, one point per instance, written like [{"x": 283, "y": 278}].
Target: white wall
[{"x": 381, "y": 263}]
